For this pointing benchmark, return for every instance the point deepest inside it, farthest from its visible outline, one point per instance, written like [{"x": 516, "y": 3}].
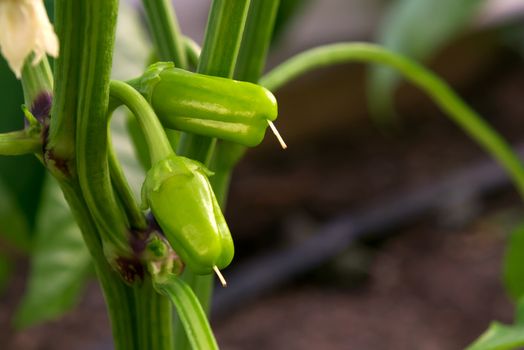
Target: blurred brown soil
[{"x": 428, "y": 289}]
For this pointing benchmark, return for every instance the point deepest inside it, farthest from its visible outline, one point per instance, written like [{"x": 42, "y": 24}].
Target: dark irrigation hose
[{"x": 265, "y": 273}]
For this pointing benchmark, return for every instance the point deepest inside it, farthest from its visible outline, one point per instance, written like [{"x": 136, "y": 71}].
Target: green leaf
[
  {"x": 189, "y": 311},
  {"x": 416, "y": 29},
  {"x": 502, "y": 337},
  {"x": 60, "y": 261},
  {"x": 513, "y": 268}
]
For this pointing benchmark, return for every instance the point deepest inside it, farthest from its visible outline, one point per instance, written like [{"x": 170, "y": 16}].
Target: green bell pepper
[
  {"x": 232, "y": 110},
  {"x": 182, "y": 201}
]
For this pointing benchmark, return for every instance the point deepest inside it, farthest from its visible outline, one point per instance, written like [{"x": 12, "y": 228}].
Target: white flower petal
[
  {"x": 17, "y": 36},
  {"x": 46, "y": 38},
  {"x": 25, "y": 27}
]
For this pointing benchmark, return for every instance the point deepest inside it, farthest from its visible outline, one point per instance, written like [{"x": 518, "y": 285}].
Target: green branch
[
  {"x": 156, "y": 139},
  {"x": 20, "y": 142},
  {"x": 36, "y": 79},
  {"x": 127, "y": 198},
  {"x": 435, "y": 87},
  {"x": 166, "y": 32},
  {"x": 189, "y": 311}
]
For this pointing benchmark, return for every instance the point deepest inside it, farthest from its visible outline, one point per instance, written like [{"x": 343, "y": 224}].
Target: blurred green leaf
[
  {"x": 417, "y": 29},
  {"x": 502, "y": 337},
  {"x": 59, "y": 264},
  {"x": 513, "y": 268}
]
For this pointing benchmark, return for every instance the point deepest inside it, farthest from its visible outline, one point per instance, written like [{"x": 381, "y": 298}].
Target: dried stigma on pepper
[
  {"x": 182, "y": 201},
  {"x": 232, "y": 110}
]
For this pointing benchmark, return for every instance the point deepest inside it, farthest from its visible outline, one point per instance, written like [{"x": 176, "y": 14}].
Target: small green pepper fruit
[
  {"x": 182, "y": 201},
  {"x": 232, "y": 110}
]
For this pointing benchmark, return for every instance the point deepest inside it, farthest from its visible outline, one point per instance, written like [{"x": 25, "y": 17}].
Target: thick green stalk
[
  {"x": 118, "y": 296},
  {"x": 155, "y": 323},
  {"x": 166, "y": 32},
  {"x": 91, "y": 133},
  {"x": 60, "y": 148},
  {"x": 437, "y": 89},
  {"x": 150, "y": 311},
  {"x": 256, "y": 40},
  {"x": 86, "y": 31},
  {"x": 37, "y": 80},
  {"x": 225, "y": 26}
]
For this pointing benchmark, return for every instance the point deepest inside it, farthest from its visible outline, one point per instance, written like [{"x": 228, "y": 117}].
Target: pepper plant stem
[
  {"x": 135, "y": 216},
  {"x": 118, "y": 296},
  {"x": 36, "y": 79},
  {"x": 91, "y": 132},
  {"x": 435, "y": 87},
  {"x": 255, "y": 42},
  {"x": 20, "y": 142},
  {"x": 191, "y": 313},
  {"x": 79, "y": 116},
  {"x": 155, "y": 314},
  {"x": 69, "y": 24},
  {"x": 156, "y": 139},
  {"x": 166, "y": 32}
]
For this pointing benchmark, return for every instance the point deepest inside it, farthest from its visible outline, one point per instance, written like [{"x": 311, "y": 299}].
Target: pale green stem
[
  {"x": 135, "y": 216},
  {"x": 166, "y": 32},
  {"x": 36, "y": 79},
  {"x": 21, "y": 142},
  {"x": 189, "y": 311},
  {"x": 155, "y": 136}
]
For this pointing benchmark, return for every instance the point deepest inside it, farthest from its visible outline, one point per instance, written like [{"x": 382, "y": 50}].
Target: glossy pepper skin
[
  {"x": 232, "y": 110},
  {"x": 182, "y": 201}
]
